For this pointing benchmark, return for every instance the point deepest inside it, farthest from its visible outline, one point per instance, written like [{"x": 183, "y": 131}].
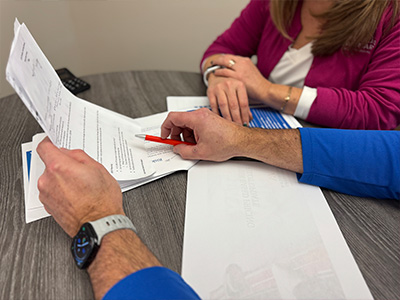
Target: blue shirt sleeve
[
  {"x": 362, "y": 163},
  {"x": 151, "y": 283}
]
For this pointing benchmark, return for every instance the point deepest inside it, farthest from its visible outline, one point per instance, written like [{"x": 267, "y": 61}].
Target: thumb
[{"x": 186, "y": 151}]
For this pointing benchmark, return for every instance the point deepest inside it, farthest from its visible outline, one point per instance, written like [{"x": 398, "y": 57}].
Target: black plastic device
[{"x": 74, "y": 84}]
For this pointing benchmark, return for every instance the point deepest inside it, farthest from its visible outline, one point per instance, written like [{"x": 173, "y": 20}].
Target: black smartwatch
[{"x": 87, "y": 241}]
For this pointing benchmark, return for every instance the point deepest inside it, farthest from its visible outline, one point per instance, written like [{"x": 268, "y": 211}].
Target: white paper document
[
  {"x": 253, "y": 232},
  {"x": 161, "y": 156},
  {"x": 32, "y": 169},
  {"x": 73, "y": 123},
  {"x": 263, "y": 117},
  {"x": 32, "y": 212}
]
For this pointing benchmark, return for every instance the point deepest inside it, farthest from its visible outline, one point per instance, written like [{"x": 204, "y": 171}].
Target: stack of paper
[
  {"x": 161, "y": 157},
  {"x": 73, "y": 123}
]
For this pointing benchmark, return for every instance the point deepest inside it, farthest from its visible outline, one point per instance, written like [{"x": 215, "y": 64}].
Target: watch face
[{"x": 83, "y": 246}]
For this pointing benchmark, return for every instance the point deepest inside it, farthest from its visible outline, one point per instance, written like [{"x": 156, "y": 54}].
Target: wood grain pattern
[{"x": 35, "y": 261}]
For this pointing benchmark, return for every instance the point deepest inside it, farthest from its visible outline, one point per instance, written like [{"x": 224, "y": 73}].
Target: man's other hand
[{"x": 76, "y": 189}]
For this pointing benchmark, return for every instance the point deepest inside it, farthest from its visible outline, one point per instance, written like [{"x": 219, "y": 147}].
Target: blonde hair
[{"x": 348, "y": 25}]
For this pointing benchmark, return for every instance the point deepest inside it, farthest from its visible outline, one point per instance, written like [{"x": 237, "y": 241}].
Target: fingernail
[{"x": 245, "y": 124}]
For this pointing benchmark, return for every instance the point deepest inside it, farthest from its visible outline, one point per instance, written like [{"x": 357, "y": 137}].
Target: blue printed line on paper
[{"x": 267, "y": 118}]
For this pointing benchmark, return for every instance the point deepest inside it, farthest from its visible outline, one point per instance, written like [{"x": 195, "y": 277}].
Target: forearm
[
  {"x": 121, "y": 253},
  {"x": 280, "y": 148},
  {"x": 365, "y": 108}
]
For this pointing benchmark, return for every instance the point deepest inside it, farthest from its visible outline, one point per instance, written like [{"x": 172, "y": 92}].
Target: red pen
[{"x": 157, "y": 139}]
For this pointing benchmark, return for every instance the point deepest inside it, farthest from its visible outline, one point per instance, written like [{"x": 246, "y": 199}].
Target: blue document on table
[
  {"x": 268, "y": 118},
  {"x": 263, "y": 117}
]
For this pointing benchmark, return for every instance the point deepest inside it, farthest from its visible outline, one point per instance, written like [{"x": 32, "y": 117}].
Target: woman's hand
[
  {"x": 243, "y": 70},
  {"x": 229, "y": 88},
  {"x": 228, "y": 96}
]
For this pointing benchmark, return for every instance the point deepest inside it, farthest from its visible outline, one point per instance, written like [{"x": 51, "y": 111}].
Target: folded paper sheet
[
  {"x": 73, "y": 123},
  {"x": 253, "y": 232},
  {"x": 161, "y": 156}
]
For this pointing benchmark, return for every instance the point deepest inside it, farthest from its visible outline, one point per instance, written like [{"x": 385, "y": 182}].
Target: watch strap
[{"x": 111, "y": 223}]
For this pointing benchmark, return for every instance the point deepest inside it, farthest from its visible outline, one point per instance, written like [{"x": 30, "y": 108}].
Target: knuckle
[
  {"x": 234, "y": 105},
  {"x": 53, "y": 167},
  {"x": 39, "y": 147},
  {"x": 41, "y": 183},
  {"x": 203, "y": 113},
  {"x": 223, "y": 105},
  {"x": 203, "y": 110},
  {"x": 212, "y": 90},
  {"x": 229, "y": 84},
  {"x": 240, "y": 84},
  {"x": 243, "y": 105},
  {"x": 78, "y": 152},
  {"x": 171, "y": 115}
]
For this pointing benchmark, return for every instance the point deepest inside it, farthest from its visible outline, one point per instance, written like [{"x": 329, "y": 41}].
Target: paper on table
[
  {"x": 71, "y": 122},
  {"x": 32, "y": 169},
  {"x": 263, "y": 117},
  {"x": 163, "y": 159},
  {"x": 37, "y": 169},
  {"x": 253, "y": 231}
]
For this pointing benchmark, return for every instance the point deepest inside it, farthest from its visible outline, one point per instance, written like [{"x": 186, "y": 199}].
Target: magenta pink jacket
[{"x": 360, "y": 91}]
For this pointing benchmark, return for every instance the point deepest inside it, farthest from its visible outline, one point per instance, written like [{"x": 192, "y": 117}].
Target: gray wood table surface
[{"x": 35, "y": 260}]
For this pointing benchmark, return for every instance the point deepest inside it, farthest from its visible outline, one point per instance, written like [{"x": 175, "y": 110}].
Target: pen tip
[{"x": 141, "y": 136}]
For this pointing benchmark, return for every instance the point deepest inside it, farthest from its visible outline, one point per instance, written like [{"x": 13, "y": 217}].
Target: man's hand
[
  {"x": 216, "y": 138},
  {"x": 219, "y": 139},
  {"x": 75, "y": 189}
]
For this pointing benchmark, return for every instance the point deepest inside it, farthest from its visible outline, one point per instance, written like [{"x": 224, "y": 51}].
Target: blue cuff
[
  {"x": 151, "y": 283},
  {"x": 362, "y": 163}
]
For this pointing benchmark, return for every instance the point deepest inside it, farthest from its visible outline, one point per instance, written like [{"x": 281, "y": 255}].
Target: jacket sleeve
[
  {"x": 375, "y": 102},
  {"x": 151, "y": 283},
  {"x": 362, "y": 163},
  {"x": 244, "y": 35}
]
